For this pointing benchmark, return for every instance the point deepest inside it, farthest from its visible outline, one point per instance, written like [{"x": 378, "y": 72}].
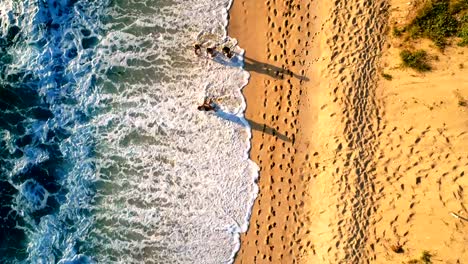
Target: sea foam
[
  {"x": 176, "y": 184},
  {"x": 110, "y": 161}
]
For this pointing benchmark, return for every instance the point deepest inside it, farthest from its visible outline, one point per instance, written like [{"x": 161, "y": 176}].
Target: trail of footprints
[
  {"x": 355, "y": 40},
  {"x": 354, "y": 65},
  {"x": 284, "y": 238},
  {"x": 360, "y": 168},
  {"x": 423, "y": 184},
  {"x": 372, "y": 159}
]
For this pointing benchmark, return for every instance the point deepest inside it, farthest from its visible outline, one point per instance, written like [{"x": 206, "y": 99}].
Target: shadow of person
[
  {"x": 270, "y": 70},
  {"x": 254, "y": 125},
  {"x": 256, "y": 66}
]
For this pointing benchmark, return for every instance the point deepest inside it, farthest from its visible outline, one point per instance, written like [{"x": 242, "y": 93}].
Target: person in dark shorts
[
  {"x": 197, "y": 48},
  {"x": 211, "y": 51},
  {"x": 227, "y": 52},
  {"x": 208, "y": 105}
]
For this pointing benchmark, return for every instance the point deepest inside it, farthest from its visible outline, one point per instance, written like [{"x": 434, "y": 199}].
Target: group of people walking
[
  {"x": 212, "y": 51},
  {"x": 209, "y": 104}
]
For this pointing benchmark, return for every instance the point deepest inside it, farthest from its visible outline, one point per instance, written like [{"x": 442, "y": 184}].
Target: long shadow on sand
[
  {"x": 252, "y": 65},
  {"x": 254, "y": 125},
  {"x": 270, "y": 70}
]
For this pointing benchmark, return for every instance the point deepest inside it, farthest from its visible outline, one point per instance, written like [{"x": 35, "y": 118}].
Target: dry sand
[{"x": 351, "y": 164}]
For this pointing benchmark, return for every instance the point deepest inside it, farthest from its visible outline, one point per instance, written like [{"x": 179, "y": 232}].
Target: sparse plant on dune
[
  {"x": 434, "y": 22},
  {"x": 417, "y": 60},
  {"x": 438, "y": 20},
  {"x": 387, "y": 76},
  {"x": 463, "y": 33},
  {"x": 426, "y": 258}
]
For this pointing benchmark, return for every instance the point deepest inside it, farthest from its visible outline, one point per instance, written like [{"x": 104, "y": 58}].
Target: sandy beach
[{"x": 352, "y": 165}]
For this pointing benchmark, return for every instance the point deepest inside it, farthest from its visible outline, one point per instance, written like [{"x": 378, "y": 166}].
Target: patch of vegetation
[
  {"x": 424, "y": 259},
  {"x": 438, "y": 20},
  {"x": 463, "y": 32},
  {"x": 417, "y": 60},
  {"x": 434, "y": 21},
  {"x": 459, "y": 6}
]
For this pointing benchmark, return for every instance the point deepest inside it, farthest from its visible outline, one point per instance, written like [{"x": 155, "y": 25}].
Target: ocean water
[{"x": 104, "y": 157}]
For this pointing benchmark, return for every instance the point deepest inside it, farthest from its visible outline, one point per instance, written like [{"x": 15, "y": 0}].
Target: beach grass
[
  {"x": 438, "y": 20},
  {"x": 463, "y": 32},
  {"x": 425, "y": 258},
  {"x": 435, "y": 22},
  {"x": 417, "y": 60}
]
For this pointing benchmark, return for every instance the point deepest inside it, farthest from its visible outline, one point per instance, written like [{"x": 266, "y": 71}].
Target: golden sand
[{"x": 351, "y": 164}]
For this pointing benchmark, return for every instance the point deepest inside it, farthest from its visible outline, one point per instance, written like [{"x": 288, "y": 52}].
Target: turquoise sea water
[{"x": 103, "y": 155}]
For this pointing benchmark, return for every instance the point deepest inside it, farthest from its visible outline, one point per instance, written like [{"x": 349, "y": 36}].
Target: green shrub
[
  {"x": 434, "y": 21},
  {"x": 463, "y": 32},
  {"x": 458, "y": 7},
  {"x": 426, "y": 257},
  {"x": 417, "y": 60}
]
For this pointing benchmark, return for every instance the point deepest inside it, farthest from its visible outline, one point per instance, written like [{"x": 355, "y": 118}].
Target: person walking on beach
[
  {"x": 211, "y": 51},
  {"x": 197, "y": 48},
  {"x": 208, "y": 105},
  {"x": 227, "y": 52}
]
